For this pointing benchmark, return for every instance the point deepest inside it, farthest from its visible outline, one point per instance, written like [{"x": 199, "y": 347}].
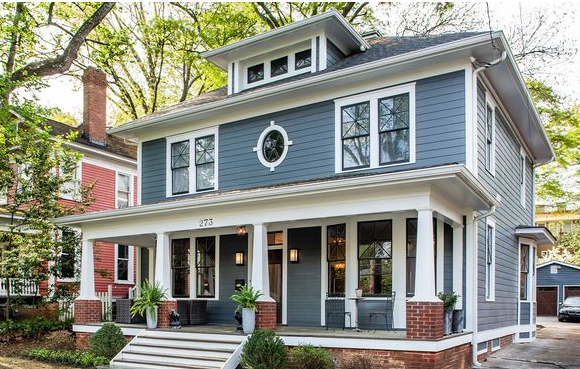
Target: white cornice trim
[
  {"x": 559, "y": 263},
  {"x": 96, "y": 151}
]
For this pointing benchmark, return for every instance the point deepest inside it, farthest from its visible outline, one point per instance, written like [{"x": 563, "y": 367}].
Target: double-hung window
[
  {"x": 375, "y": 264},
  {"x": 123, "y": 190},
  {"x": 336, "y": 257},
  {"x": 490, "y": 261},
  {"x": 205, "y": 264},
  {"x": 192, "y": 163},
  {"x": 71, "y": 189},
  {"x": 490, "y": 120},
  {"x": 524, "y": 271},
  {"x": 123, "y": 264},
  {"x": 69, "y": 255},
  {"x": 375, "y": 129},
  {"x": 180, "y": 267}
]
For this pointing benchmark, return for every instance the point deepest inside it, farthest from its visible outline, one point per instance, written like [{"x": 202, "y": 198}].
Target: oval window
[{"x": 273, "y": 146}]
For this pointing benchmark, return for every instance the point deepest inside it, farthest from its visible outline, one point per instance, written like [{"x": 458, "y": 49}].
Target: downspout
[{"x": 479, "y": 67}]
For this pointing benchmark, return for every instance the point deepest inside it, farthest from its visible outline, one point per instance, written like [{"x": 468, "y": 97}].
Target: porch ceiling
[{"x": 142, "y": 240}]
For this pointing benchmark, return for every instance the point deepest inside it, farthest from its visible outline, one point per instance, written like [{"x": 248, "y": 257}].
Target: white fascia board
[
  {"x": 88, "y": 149},
  {"x": 307, "y": 82},
  {"x": 538, "y": 234},
  {"x": 386, "y": 179},
  {"x": 559, "y": 263}
]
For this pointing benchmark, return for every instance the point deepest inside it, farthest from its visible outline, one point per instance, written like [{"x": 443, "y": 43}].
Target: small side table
[{"x": 356, "y": 300}]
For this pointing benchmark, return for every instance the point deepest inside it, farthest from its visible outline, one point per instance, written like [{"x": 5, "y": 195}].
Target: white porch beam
[
  {"x": 458, "y": 264},
  {"x": 260, "y": 276},
  {"x": 163, "y": 262},
  {"x": 87, "y": 288},
  {"x": 424, "y": 262}
]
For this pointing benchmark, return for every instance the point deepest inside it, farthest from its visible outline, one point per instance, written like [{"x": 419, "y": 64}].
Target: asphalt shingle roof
[{"x": 381, "y": 48}]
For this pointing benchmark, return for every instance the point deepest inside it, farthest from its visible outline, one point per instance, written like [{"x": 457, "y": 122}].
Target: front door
[{"x": 275, "y": 272}]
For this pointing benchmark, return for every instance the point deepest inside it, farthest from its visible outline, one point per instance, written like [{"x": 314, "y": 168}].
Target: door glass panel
[{"x": 275, "y": 276}]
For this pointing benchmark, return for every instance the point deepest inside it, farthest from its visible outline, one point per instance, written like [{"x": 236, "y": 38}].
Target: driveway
[{"x": 557, "y": 346}]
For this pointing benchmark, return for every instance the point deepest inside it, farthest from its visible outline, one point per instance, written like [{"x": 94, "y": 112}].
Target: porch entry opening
[{"x": 275, "y": 257}]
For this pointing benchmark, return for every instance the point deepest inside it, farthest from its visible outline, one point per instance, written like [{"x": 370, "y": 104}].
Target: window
[
  {"x": 411, "y": 229},
  {"x": 523, "y": 177},
  {"x": 524, "y": 271},
  {"x": 375, "y": 129},
  {"x": 180, "y": 167},
  {"x": 276, "y": 238},
  {"x": 375, "y": 266},
  {"x": 394, "y": 129},
  {"x": 122, "y": 264},
  {"x": 279, "y": 66},
  {"x": 68, "y": 256},
  {"x": 71, "y": 189},
  {"x": 205, "y": 258},
  {"x": 180, "y": 267},
  {"x": 303, "y": 59},
  {"x": 3, "y": 196},
  {"x": 256, "y": 73},
  {"x": 204, "y": 163},
  {"x": 273, "y": 146},
  {"x": 490, "y": 261},
  {"x": 336, "y": 258},
  {"x": 490, "y": 136},
  {"x": 123, "y": 190}
]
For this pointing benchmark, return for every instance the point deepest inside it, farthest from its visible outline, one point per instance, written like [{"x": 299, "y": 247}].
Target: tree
[{"x": 567, "y": 250}]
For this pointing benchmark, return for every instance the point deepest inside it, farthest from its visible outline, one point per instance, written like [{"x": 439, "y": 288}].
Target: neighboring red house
[{"x": 109, "y": 163}]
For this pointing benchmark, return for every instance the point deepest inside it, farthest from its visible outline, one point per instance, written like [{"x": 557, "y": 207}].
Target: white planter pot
[
  {"x": 248, "y": 320},
  {"x": 151, "y": 318}
]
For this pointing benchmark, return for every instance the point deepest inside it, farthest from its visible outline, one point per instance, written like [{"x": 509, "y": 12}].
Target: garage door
[
  {"x": 571, "y": 291},
  {"x": 547, "y": 298}
]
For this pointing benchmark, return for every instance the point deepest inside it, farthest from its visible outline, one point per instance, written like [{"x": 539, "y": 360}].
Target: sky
[{"x": 564, "y": 75}]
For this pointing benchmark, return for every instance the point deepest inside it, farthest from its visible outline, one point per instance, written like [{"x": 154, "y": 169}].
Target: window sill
[
  {"x": 358, "y": 169},
  {"x": 123, "y": 282},
  {"x": 67, "y": 280}
]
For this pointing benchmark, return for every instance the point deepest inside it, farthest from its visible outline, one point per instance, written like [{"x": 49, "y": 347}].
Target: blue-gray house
[
  {"x": 556, "y": 281},
  {"x": 376, "y": 171}
]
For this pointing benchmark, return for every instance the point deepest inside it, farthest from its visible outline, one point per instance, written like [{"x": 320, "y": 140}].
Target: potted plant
[
  {"x": 449, "y": 301},
  {"x": 246, "y": 297},
  {"x": 148, "y": 301}
]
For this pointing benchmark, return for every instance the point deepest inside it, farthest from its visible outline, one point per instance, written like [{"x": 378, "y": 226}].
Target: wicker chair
[
  {"x": 197, "y": 312},
  {"x": 123, "y": 307}
]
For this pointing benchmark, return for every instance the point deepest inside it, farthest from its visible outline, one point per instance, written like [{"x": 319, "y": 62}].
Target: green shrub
[
  {"x": 59, "y": 340},
  {"x": 264, "y": 350},
  {"x": 107, "y": 341},
  {"x": 311, "y": 357},
  {"x": 32, "y": 328},
  {"x": 79, "y": 358},
  {"x": 356, "y": 362}
]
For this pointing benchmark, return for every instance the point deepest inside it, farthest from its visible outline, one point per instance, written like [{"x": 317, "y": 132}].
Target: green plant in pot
[
  {"x": 148, "y": 301},
  {"x": 449, "y": 301},
  {"x": 247, "y": 298}
]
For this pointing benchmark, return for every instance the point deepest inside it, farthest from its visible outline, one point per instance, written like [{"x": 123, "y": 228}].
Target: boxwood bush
[
  {"x": 78, "y": 358},
  {"x": 107, "y": 341},
  {"x": 264, "y": 350},
  {"x": 311, "y": 357}
]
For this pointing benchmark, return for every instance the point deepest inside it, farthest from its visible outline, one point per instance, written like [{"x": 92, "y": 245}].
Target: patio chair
[
  {"x": 123, "y": 316},
  {"x": 381, "y": 312},
  {"x": 197, "y": 312},
  {"x": 335, "y": 310}
]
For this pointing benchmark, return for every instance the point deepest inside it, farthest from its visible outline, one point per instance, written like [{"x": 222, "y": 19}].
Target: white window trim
[
  {"x": 490, "y": 102},
  {"x": 258, "y": 149},
  {"x": 523, "y": 159},
  {"x": 290, "y": 52},
  {"x": 490, "y": 277},
  {"x": 78, "y": 180},
  {"x": 131, "y": 270},
  {"x": 530, "y": 293},
  {"x": 4, "y": 197},
  {"x": 191, "y": 136},
  {"x": 193, "y": 268},
  {"x": 373, "y": 98},
  {"x": 77, "y": 263},
  {"x": 131, "y": 188},
  {"x": 493, "y": 347}
]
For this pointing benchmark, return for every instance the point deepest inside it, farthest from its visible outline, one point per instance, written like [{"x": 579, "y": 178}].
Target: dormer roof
[{"x": 330, "y": 23}]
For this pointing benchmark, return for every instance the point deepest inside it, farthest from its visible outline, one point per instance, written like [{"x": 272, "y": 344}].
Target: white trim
[
  {"x": 495, "y": 348},
  {"x": 130, "y": 201},
  {"x": 323, "y": 52},
  {"x": 77, "y": 184},
  {"x": 440, "y": 270},
  {"x": 259, "y": 146},
  {"x": 130, "y": 267},
  {"x": 471, "y": 120},
  {"x": 81, "y": 147},
  {"x": 191, "y": 137},
  {"x": 372, "y": 97},
  {"x": 490, "y": 105},
  {"x": 523, "y": 162},
  {"x": 77, "y": 261},
  {"x": 285, "y": 275},
  {"x": 479, "y": 352},
  {"x": 89, "y": 328},
  {"x": 490, "y": 334},
  {"x": 490, "y": 278},
  {"x": 109, "y": 166},
  {"x": 559, "y": 263},
  {"x": 193, "y": 276},
  {"x": 139, "y": 171},
  {"x": 529, "y": 293}
]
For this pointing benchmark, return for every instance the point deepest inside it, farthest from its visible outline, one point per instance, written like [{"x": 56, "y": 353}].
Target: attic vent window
[
  {"x": 279, "y": 66},
  {"x": 303, "y": 59},
  {"x": 256, "y": 73},
  {"x": 272, "y": 146}
]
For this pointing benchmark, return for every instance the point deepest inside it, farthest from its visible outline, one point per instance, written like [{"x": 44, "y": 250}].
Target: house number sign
[{"x": 206, "y": 222}]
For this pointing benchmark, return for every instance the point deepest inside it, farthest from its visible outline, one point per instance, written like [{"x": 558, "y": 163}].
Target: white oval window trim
[{"x": 258, "y": 149}]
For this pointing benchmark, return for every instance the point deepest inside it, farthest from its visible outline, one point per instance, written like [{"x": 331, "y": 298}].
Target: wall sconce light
[
  {"x": 240, "y": 258},
  {"x": 294, "y": 255},
  {"x": 241, "y": 230}
]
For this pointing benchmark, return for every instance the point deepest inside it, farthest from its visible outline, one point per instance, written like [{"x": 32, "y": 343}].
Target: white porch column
[
  {"x": 424, "y": 263},
  {"x": 260, "y": 276},
  {"x": 458, "y": 264},
  {"x": 400, "y": 270},
  {"x": 163, "y": 262},
  {"x": 87, "y": 289},
  {"x": 440, "y": 275}
]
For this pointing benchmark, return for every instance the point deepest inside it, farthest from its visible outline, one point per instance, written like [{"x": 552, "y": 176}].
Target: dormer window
[
  {"x": 279, "y": 66},
  {"x": 303, "y": 59},
  {"x": 256, "y": 73}
]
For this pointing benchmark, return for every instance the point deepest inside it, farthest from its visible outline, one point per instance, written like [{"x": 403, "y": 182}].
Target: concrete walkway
[{"x": 557, "y": 346}]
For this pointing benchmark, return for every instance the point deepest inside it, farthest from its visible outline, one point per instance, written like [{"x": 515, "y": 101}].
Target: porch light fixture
[
  {"x": 239, "y": 258},
  {"x": 294, "y": 255},
  {"x": 241, "y": 230}
]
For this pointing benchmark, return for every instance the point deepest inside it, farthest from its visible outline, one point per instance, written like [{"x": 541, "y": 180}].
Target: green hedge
[
  {"x": 80, "y": 358},
  {"x": 33, "y": 328}
]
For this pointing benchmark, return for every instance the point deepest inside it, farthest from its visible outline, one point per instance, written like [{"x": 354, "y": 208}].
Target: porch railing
[
  {"x": 67, "y": 307},
  {"x": 18, "y": 287}
]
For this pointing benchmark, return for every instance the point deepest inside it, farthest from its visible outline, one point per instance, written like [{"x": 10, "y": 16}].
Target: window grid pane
[
  {"x": 122, "y": 262},
  {"x": 279, "y": 66},
  {"x": 394, "y": 129},
  {"x": 356, "y": 147},
  {"x": 180, "y": 267},
  {"x": 303, "y": 59},
  {"x": 205, "y": 163},
  {"x": 205, "y": 264},
  {"x": 336, "y": 257},
  {"x": 374, "y": 260},
  {"x": 256, "y": 73},
  {"x": 180, "y": 167}
]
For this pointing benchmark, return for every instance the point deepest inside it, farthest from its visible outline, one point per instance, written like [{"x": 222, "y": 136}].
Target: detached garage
[{"x": 556, "y": 281}]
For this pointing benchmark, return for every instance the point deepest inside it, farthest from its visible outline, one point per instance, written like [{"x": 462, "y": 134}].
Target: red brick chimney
[{"x": 95, "y": 106}]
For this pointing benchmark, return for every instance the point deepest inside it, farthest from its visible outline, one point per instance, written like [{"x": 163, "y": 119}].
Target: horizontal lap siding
[
  {"x": 566, "y": 276},
  {"x": 510, "y": 214},
  {"x": 440, "y": 140}
]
